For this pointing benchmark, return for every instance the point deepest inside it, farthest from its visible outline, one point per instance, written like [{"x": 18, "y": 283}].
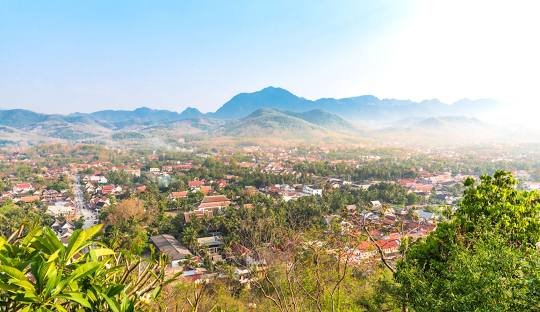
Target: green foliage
[
  {"x": 78, "y": 224},
  {"x": 12, "y": 216},
  {"x": 119, "y": 177},
  {"x": 484, "y": 259},
  {"x": 61, "y": 184},
  {"x": 23, "y": 172},
  {"x": 391, "y": 193},
  {"x": 39, "y": 273}
]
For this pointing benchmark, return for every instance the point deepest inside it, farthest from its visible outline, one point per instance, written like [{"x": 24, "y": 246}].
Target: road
[{"x": 89, "y": 216}]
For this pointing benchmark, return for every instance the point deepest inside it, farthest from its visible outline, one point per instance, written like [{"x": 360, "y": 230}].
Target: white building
[
  {"x": 60, "y": 209},
  {"x": 311, "y": 190}
]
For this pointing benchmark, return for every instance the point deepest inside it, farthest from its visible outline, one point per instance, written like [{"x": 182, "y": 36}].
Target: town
[{"x": 182, "y": 205}]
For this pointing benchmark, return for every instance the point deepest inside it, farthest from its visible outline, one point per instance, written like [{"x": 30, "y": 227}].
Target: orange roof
[
  {"x": 215, "y": 198},
  {"x": 177, "y": 195},
  {"x": 366, "y": 246},
  {"x": 205, "y": 189},
  {"x": 195, "y": 183},
  {"x": 29, "y": 199},
  {"x": 214, "y": 205}
]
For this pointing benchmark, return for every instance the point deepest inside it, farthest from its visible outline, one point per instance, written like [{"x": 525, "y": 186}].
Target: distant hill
[
  {"x": 324, "y": 119},
  {"x": 123, "y": 118},
  {"x": 19, "y": 118},
  {"x": 273, "y": 122},
  {"x": 191, "y": 113}
]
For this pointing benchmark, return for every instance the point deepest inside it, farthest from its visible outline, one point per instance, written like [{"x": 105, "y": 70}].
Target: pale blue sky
[{"x": 66, "y": 56}]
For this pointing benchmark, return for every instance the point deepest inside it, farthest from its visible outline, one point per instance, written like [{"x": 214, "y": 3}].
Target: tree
[
  {"x": 126, "y": 223},
  {"x": 79, "y": 223},
  {"x": 12, "y": 216},
  {"x": 484, "y": 259}
]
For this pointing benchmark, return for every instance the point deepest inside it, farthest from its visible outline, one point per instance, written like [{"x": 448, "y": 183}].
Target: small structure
[
  {"x": 22, "y": 188},
  {"x": 312, "y": 190},
  {"x": 168, "y": 245},
  {"x": 60, "y": 209},
  {"x": 215, "y": 202},
  {"x": 376, "y": 205}
]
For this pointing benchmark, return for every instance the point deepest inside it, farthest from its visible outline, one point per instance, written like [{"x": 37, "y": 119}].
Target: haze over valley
[{"x": 271, "y": 113}]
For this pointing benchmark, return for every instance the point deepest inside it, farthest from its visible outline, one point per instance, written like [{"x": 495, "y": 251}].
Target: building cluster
[
  {"x": 288, "y": 192},
  {"x": 382, "y": 230}
]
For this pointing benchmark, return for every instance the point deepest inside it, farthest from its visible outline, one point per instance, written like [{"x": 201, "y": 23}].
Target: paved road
[{"x": 89, "y": 215}]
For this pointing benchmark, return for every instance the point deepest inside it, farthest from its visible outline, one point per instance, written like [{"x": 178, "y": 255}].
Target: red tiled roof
[
  {"x": 178, "y": 195},
  {"x": 215, "y": 198},
  {"x": 195, "y": 183},
  {"x": 23, "y": 185}
]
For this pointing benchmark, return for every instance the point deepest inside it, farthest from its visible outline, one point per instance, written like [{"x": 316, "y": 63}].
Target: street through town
[{"x": 89, "y": 216}]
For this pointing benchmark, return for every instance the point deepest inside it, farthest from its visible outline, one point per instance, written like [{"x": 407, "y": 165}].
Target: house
[
  {"x": 195, "y": 274},
  {"x": 198, "y": 213},
  {"x": 376, "y": 205},
  {"x": 111, "y": 189},
  {"x": 423, "y": 189},
  {"x": 213, "y": 244},
  {"x": 312, "y": 190},
  {"x": 183, "y": 167},
  {"x": 98, "y": 179},
  {"x": 29, "y": 199},
  {"x": 389, "y": 246},
  {"x": 168, "y": 245},
  {"x": 291, "y": 195},
  {"x": 365, "y": 250},
  {"x": 134, "y": 172},
  {"x": 221, "y": 183},
  {"x": 65, "y": 235},
  {"x": 22, "y": 188},
  {"x": 178, "y": 195},
  {"x": 167, "y": 168},
  {"x": 195, "y": 184},
  {"x": 60, "y": 209},
  {"x": 154, "y": 170},
  {"x": 425, "y": 215},
  {"x": 215, "y": 202}
]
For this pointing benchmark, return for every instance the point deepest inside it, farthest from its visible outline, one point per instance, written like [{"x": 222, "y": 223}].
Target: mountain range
[
  {"x": 267, "y": 112},
  {"x": 366, "y": 107}
]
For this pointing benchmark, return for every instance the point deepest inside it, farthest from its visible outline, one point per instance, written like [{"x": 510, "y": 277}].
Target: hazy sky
[{"x": 66, "y": 56}]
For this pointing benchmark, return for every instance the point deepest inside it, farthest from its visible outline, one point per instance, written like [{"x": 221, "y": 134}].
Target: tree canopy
[{"x": 485, "y": 258}]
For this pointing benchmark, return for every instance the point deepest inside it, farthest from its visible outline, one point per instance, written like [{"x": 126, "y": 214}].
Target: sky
[{"x": 66, "y": 56}]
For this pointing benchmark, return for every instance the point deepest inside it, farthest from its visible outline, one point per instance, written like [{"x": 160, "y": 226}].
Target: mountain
[
  {"x": 276, "y": 123},
  {"x": 191, "y": 113},
  {"x": 360, "y": 108},
  {"x": 123, "y": 118},
  {"x": 324, "y": 119},
  {"x": 19, "y": 118},
  {"x": 243, "y": 104},
  {"x": 271, "y": 111}
]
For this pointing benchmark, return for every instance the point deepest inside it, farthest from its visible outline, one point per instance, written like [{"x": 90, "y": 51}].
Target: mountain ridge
[
  {"x": 270, "y": 111},
  {"x": 364, "y": 107}
]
